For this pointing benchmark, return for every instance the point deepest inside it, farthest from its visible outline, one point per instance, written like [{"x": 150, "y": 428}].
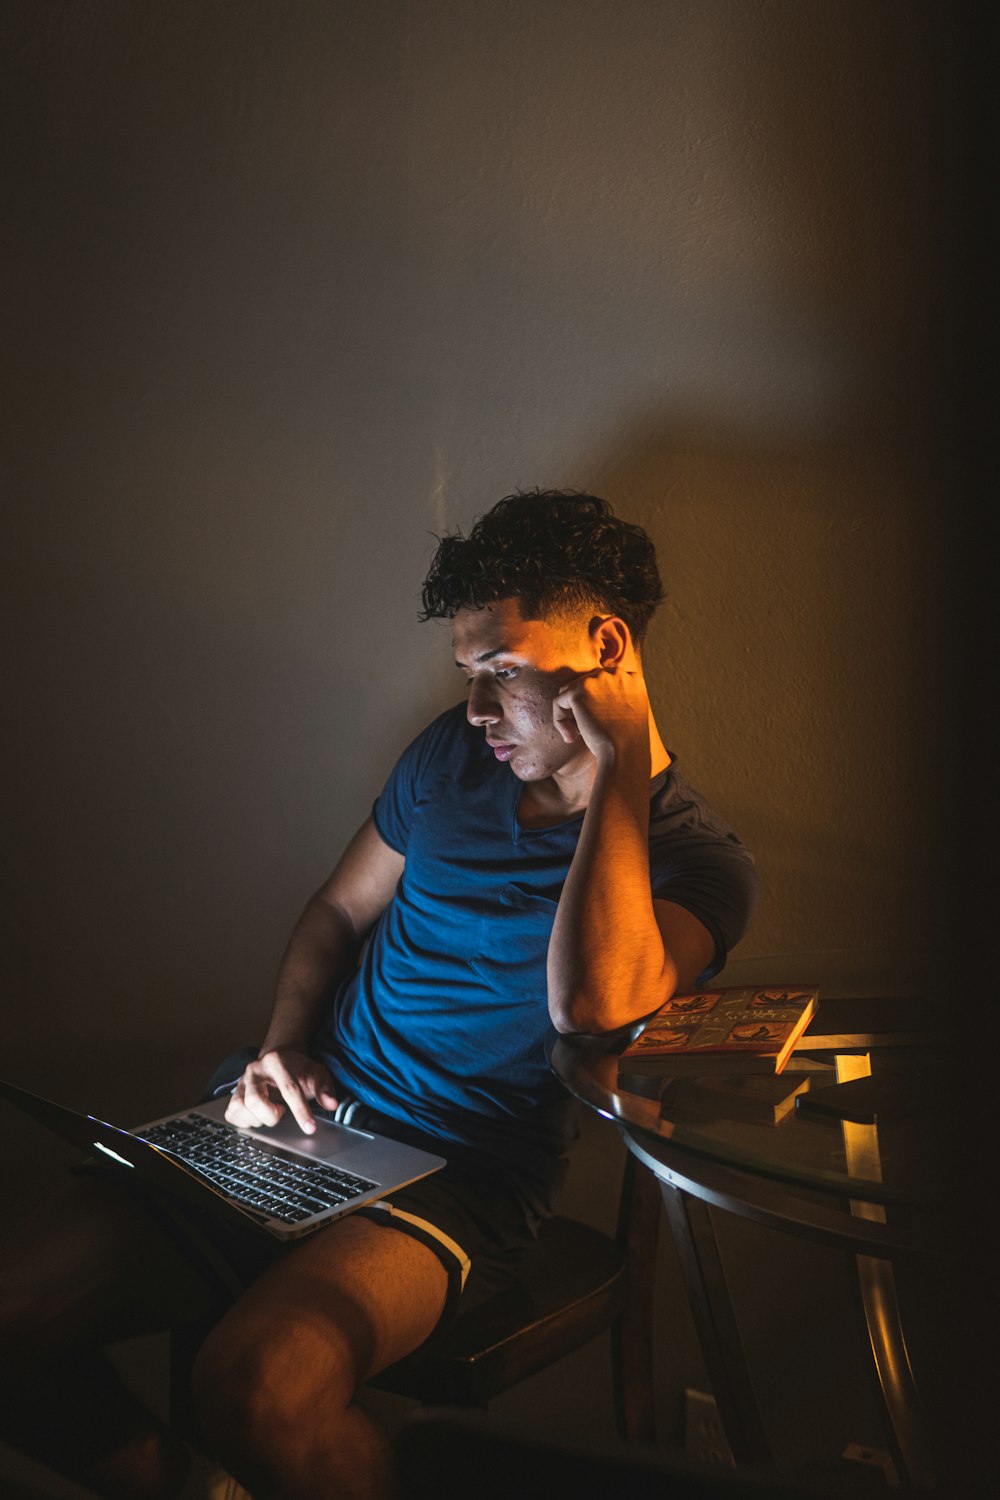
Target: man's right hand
[{"x": 284, "y": 1078}]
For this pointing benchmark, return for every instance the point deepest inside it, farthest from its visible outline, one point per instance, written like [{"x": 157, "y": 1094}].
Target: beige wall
[{"x": 296, "y": 285}]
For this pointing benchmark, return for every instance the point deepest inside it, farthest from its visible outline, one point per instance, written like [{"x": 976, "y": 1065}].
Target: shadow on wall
[{"x": 801, "y": 668}]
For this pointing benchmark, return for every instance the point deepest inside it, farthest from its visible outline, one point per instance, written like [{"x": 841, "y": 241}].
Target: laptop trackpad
[{"x": 330, "y": 1142}]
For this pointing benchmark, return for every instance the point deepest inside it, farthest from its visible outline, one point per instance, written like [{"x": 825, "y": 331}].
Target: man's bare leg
[
  {"x": 88, "y": 1268},
  {"x": 275, "y": 1382}
]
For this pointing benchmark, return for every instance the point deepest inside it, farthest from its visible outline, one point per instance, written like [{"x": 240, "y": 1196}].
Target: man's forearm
[
  {"x": 322, "y": 950},
  {"x": 607, "y": 963}
]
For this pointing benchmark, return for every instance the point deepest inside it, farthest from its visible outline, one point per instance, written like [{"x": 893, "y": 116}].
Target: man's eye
[{"x": 504, "y": 674}]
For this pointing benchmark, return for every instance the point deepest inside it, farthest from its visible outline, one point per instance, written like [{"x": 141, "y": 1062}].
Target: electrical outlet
[
  {"x": 704, "y": 1438},
  {"x": 861, "y": 1453}
]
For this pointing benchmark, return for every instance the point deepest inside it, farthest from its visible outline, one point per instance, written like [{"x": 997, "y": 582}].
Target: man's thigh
[
  {"x": 90, "y": 1264},
  {"x": 332, "y": 1312}
]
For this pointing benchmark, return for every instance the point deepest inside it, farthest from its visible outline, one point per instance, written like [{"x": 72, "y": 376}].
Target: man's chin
[{"x": 527, "y": 768}]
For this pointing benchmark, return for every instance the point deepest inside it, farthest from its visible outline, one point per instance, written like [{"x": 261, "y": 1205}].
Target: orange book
[{"x": 737, "y": 1026}]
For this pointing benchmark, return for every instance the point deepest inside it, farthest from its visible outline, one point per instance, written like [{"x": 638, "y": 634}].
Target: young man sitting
[{"x": 535, "y": 864}]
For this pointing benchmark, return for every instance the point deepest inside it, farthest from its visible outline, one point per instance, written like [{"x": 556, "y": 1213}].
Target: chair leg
[{"x": 632, "y": 1333}]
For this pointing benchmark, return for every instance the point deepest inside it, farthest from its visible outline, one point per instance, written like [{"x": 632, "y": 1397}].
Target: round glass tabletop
[{"x": 861, "y": 1109}]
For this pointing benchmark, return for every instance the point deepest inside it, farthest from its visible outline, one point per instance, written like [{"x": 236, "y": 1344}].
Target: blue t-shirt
[{"x": 444, "y": 1024}]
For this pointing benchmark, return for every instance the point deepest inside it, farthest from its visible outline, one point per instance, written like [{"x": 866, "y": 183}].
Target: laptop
[{"x": 275, "y": 1179}]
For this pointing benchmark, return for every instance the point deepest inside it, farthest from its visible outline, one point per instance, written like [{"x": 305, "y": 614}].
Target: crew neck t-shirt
[{"x": 444, "y": 1024}]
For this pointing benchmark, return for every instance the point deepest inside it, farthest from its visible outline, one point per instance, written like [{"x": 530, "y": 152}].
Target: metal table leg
[
  {"x": 715, "y": 1320},
  {"x": 877, "y": 1286}
]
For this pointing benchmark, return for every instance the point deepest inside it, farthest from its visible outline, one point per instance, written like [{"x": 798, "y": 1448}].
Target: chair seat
[{"x": 569, "y": 1288}]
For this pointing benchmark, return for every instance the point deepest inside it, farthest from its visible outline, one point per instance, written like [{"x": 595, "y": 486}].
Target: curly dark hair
[{"x": 552, "y": 550}]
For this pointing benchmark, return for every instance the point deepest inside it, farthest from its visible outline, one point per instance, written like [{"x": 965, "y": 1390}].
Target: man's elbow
[
  {"x": 589, "y": 1010},
  {"x": 588, "y": 1015},
  {"x": 569, "y": 1019}
]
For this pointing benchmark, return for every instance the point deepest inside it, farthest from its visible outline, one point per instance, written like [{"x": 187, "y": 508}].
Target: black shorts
[{"x": 477, "y": 1214}]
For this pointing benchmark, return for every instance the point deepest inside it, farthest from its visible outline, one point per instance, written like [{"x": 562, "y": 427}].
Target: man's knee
[
  {"x": 260, "y": 1383},
  {"x": 57, "y": 1260},
  {"x": 89, "y": 1266},
  {"x": 274, "y": 1384}
]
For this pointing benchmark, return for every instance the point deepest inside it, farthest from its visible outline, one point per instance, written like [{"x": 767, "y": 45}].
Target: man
[{"x": 535, "y": 864}]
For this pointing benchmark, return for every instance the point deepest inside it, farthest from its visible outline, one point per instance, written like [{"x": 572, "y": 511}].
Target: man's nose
[{"x": 482, "y": 706}]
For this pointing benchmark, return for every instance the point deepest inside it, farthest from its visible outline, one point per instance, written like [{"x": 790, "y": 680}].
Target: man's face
[{"x": 515, "y": 668}]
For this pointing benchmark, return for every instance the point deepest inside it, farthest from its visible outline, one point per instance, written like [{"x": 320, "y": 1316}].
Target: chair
[{"x": 575, "y": 1283}]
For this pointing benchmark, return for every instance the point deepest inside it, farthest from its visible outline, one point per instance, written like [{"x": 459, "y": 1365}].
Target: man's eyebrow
[{"x": 486, "y": 655}]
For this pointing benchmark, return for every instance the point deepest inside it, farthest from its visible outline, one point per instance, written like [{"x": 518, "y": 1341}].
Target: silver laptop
[{"x": 275, "y": 1179}]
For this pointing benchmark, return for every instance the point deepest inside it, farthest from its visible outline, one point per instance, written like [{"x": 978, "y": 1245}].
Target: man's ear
[{"x": 613, "y": 640}]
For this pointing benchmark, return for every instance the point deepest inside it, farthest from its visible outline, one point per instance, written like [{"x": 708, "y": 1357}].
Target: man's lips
[{"x": 501, "y": 750}]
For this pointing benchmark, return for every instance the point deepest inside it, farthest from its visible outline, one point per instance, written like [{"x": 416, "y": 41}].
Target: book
[
  {"x": 759, "y": 1097},
  {"x": 742, "y": 1028}
]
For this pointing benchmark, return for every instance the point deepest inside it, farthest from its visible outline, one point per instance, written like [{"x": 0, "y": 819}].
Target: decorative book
[{"x": 741, "y": 1027}]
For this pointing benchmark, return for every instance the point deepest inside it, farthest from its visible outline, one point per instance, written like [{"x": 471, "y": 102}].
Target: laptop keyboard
[{"x": 264, "y": 1178}]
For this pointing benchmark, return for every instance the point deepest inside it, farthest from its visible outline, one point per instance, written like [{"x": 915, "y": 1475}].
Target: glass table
[{"x": 858, "y": 1159}]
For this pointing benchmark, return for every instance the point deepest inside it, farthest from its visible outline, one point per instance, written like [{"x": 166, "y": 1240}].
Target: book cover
[{"x": 740, "y": 1026}]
